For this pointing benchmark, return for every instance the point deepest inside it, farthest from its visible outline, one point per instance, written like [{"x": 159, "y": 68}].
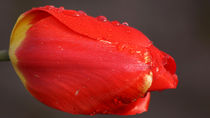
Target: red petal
[
  {"x": 86, "y": 65},
  {"x": 77, "y": 74},
  {"x": 164, "y": 68},
  {"x": 96, "y": 29},
  {"x": 140, "y": 106}
]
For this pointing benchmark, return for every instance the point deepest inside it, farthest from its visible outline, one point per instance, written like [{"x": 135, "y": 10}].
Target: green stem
[{"x": 4, "y": 55}]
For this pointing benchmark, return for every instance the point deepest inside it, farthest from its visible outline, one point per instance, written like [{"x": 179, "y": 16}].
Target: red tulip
[{"x": 85, "y": 65}]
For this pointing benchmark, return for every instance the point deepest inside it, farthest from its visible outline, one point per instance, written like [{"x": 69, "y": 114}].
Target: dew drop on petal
[
  {"x": 76, "y": 93},
  {"x": 117, "y": 23},
  {"x": 117, "y": 101},
  {"x": 61, "y": 8},
  {"x": 76, "y": 14},
  {"x": 125, "y": 23},
  {"x": 61, "y": 48},
  {"x": 93, "y": 113},
  {"x": 105, "y": 42},
  {"x": 138, "y": 51},
  {"x": 157, "y": 69},
  {"x": 121, "y": 47},
  {"x": 134, "y": 100},
  {"x": 49, "y": 7},
  {"x": 82, "y": 13},
  {"x": 148, "y": 80},
  {"x": 102, "y": 18},
  {"x": 132, "y": 51}
]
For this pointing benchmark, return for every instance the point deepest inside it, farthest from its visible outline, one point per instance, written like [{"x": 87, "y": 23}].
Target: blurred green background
[{"x": 178, "y": 27}]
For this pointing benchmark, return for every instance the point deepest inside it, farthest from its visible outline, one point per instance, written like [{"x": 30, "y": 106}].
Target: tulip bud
[{"x": 85, "y": 65}]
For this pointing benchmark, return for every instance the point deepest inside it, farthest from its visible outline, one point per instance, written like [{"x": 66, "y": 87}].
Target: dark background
[{"x": 178, "y": 27}]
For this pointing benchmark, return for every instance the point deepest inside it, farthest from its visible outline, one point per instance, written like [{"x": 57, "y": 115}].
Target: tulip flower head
[{"x": 85, "y": 65}]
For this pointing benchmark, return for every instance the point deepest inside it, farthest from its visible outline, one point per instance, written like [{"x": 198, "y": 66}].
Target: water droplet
[
  {"x": 117, "y": 23},
  {"x": 49, "y": 7},
  {"x": 148, "y": 79},
  {"x": 106, "y": 42},
  {"x": 138, "y": 52},
  {"x": 157, "y": 69},
  {"x": 132, "y": 51},
  {"x": 121, "y": 47},
  {"x": 61, "y": 8},
  {"x": 60, "y": 47},
  {"x": 146, "y": 53},
  {"x": 147, "y": 59},
  {"x": 76, "y": 93},
  {"x": 134, "y": 100},
  {"x": 125, "y": 23},
  {"x": 102, "y": 18},
  {"x": 93, "y": 113},
  {"x": 76, "y": 14},
  {"x": 116, "y": 101},
  {"x": 82, "y": 13}
]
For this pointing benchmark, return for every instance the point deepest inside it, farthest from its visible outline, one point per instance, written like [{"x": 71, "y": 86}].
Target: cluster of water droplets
[
  {"x": 52, "y": 8},
  {"x": 82, "y": 13},
  {"x": 61, "y": 9},
  {"x": 120, "y": 47},
  {"x": 79, "y": 13},
  {"x": 116, "y": 23}
]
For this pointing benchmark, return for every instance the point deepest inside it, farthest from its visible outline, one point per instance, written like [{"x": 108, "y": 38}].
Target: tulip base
[{"x": 4, "y": 56}]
